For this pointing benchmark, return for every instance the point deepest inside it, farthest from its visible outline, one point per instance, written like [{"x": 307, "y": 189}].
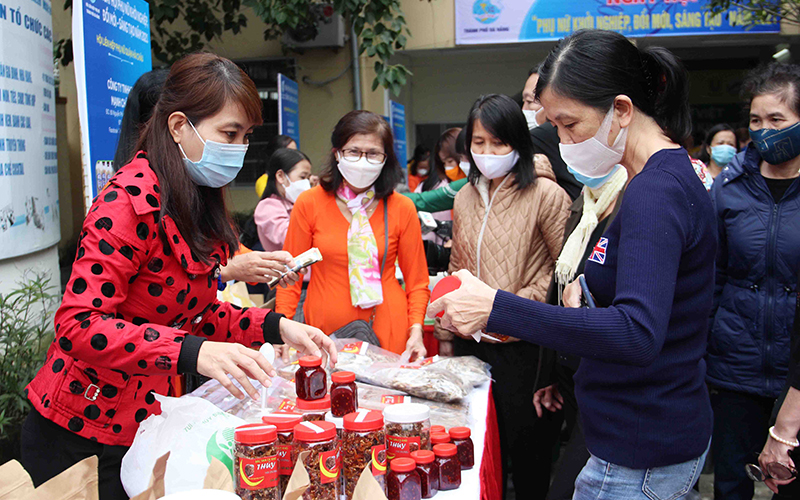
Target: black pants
[
  {"x": 49, "y": 449},
  {"x": 521, "y": 432}
]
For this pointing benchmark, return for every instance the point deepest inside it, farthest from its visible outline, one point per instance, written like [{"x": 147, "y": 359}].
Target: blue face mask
[
  {"x": 777, "y": 146},
  {"x": 218, "y": 166},
  {"x": 722, "y": 154},
  {"x": 592, "y": 182}
]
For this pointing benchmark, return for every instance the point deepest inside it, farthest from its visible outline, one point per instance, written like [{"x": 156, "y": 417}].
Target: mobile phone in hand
[{"x": 586, "y": 296}]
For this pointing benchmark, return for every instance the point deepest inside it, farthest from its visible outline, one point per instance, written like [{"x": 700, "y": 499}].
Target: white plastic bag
[{"x": 192, "y": 430}]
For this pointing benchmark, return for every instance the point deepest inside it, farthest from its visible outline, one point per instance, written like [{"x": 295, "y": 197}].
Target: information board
[
  {"x": 397, "y": 116},
  {"x": 288, "y": 104}
]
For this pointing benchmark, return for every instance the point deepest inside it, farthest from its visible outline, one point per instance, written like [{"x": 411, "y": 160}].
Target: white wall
[{"x": 12, "y": 270}]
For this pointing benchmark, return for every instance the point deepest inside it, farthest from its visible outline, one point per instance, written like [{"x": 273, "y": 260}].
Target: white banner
[{"x": 29, "y": 213}]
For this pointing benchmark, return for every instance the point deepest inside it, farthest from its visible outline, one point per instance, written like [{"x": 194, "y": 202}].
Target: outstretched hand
[{"x": 466, "y": 309}]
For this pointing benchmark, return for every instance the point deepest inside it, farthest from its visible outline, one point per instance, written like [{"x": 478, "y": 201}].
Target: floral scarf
[{"x": 363, "y": 267}]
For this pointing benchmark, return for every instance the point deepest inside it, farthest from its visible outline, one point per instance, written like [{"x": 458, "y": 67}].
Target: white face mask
[
  {"x": 360, "y": 174},
  {"x": 464, "y": 166},
  {"x": 593, "y": 158},
  {"x": 495, "y": 166},
  {"x": 530, "y": 117},
  {"x": 296, "y": 188},
  {"x": 422, "y": 172}
]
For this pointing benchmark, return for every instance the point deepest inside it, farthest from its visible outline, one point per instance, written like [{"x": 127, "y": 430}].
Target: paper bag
[
  {"x": 367, "y": 488},
  {"x": 79, "y": 482},
  {"x": 155, "y": 489},
  {"x": 15, "y": 483},
  {"x": 299, "y": 480},
  {"x": 218, "y": 477}
]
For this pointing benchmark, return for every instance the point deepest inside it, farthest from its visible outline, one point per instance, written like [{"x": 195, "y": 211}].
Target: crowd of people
[{"x": 680, "y": 352}]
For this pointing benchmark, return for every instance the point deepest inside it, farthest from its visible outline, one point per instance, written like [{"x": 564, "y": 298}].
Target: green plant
[
  {"x": 759, "y": 11},
  {"x": 26, "y": 330}
]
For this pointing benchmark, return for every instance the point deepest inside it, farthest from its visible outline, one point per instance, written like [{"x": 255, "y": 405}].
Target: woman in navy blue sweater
[{"x": 640, "y": 387}]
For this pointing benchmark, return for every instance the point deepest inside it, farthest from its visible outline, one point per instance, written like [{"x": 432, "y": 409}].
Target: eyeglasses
[
  {"x": 775, "y": 470},
  {"x": 355, "y": 155}
]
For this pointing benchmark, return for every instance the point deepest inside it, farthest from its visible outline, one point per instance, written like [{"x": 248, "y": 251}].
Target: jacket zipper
[
  {"x": 768, "y": 317},
  {"x": 485, "y": 220}
]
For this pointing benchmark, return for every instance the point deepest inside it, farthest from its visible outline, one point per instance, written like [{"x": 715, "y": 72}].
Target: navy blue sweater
[{"x": 640, "y": 385}]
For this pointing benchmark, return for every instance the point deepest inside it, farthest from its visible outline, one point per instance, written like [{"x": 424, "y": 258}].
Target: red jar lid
[
  {"x": 310, "y": 361},
  {"x": 315, "y": 404},
  {"x": 460, "y": 432},
  {"x": 283, "y": 421},
  {"x": 403, "y": 464},
  {"x": 310, "y": 432},
  {"x": 445, "y": 450},
  {"x": 255, "y": 433},
  {"x": 363, "y": 420},
  {"x": 423, "y": 456},
  {"x": 437, "y": 428},
  {"x": 343, "y": 377},
  {"x": 440, "y": 437}
]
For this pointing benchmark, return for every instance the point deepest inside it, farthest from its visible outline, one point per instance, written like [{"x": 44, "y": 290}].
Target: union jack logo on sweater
[{"x": 598, "y": 255}]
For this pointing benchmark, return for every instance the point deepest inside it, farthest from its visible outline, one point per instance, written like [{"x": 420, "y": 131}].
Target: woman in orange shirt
[{"x": 344, "y": 218}]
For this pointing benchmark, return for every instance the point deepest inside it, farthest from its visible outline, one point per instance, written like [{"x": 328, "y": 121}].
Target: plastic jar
[
  {"x": 439, "y": 438},
  {"x": 402, "y": 482},
  {"x": 408, "y": 428},
  {"x": 428, "y": 471},
  {"x": 338, "y": 422},
  {"x": 323, "y": 462},
  {"x": 449, "y": 466},
  {"x": 310, "y": 381},
  {"x": 363, "y": 444},
  {"x": 255, "y": 463},
  {"x": 285, "y": 423},
  {"x": 344, "y": 393},
  {"x": 466, "y": 450},
  {"x": 438, "y": 428},
  {"x": 314, "y": 410}
]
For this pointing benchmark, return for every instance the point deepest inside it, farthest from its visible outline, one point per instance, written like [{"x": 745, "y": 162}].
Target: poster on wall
[
  {"x": 29, "y": 211},
  {"x": 288, "y": 105},
  {"x": 397, "y": 117},
  {"x": 111, "y": 46},
  {"x": 511, "y": 21}
]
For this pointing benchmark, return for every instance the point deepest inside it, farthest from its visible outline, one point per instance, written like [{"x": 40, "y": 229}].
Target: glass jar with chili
[
  {"x": 466, "y": 450},
  {"x": 256, "y": 462},
  {"x": 449, "y": 466},
  {"x": 363, "y": 445},
  {"x": 428, "y": 472},
  {"x": 313, "y": 410},
  {"x": 407, "y": 428},
  {"x": 344, "y": 393},
  {"x": 439, "y": 438},
  {"x": 285, "y": 423},
  {"x": 323, "y": 462},
  {"x": 402, "y": 482},
  {"x": 311, "y": 382}
]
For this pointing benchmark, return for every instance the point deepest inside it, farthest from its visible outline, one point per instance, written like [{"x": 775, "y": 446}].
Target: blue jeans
[{"x": 601, "y": 480}]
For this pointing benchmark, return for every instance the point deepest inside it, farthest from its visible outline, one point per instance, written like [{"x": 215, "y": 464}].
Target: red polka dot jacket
[{"x": 135, "y": 313}]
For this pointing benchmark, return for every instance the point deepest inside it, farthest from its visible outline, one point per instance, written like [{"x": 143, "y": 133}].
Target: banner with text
[
  {"x": 288, "y": 112},
  {"x": 510, "y": 21},
  {"x": 111, "y": 44},
  {"x": 397, "y": 117},
  {"x": 29, "y": 211}
]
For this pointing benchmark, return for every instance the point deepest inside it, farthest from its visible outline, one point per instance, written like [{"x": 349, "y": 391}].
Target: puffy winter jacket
[{"x": 758, "y": 259}]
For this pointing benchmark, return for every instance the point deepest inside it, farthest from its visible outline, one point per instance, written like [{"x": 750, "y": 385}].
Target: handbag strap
[{"x": 385, "y": 251}]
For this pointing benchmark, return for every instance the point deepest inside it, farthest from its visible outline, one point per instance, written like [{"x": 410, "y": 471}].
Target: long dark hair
[
  {"x": 595, "y": 66},
  {"x": 420, "y": 152},
  {"x": 138, "y": 109},
  {"x": 363, "y": 122},
  {"x": 720, "y": 127},
  {"x": 446, "y": 145},
  {"x": 503, "y": 118},
  {"x": 199, "y": 85},
  {"x": 282, "y": 159}
]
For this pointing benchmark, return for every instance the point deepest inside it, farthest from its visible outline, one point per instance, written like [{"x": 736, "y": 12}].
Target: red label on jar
[
  {"x": 386, "y": 399},
  {"x": 378, "y": 460},
  {"x": 401, "y": 446},
  {"x": 287, "y": 405},
  {"x": 285, "y": 459},
  {"x": 258, "y": 473},
  {"x": 329, "y": 466}
]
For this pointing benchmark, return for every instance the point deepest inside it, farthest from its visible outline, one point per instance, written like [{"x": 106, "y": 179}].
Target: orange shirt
[
  {"x": 318, "y": 222},
  {"x": 414, "y": 181}
]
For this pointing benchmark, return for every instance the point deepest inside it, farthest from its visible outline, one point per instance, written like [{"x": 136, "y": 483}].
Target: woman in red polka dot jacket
[{"x": 141, "y": 307}]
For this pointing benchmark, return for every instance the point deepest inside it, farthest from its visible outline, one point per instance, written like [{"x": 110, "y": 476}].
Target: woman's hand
[
  {"x": 415, "y": 348},
  {"x": 260, "y": 267},
  {"x": 218, "y": 360},
  {"x": 775, "y": 452},
  {"x": 309, "y": 341},
  {"x": 549, "y": 398},
  {"x": 284, "y": 352},
  {"x": 467, "y": 309},
  {"x": 572, "y": 294}
]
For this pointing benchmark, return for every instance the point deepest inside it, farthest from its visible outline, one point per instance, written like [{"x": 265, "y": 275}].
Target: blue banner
[
  {"x": 111, "y": 42},
  {"x": 398, "y": 121},
  {"x": 288, "y": 104},
  {"x": 498, "y": 21}
]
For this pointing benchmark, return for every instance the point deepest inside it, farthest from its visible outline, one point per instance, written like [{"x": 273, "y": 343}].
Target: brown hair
[
  {"x": 446, "y": 145},
  {"x": 363, "y": 122},
  {"x": 199, "y": 85}
]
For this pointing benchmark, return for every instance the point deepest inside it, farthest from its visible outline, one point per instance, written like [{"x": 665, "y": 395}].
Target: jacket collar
[{"x": 747, "y": 162}]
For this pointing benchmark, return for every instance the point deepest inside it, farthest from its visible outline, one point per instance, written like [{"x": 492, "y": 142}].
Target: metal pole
[{"x": 356, "y": 68}]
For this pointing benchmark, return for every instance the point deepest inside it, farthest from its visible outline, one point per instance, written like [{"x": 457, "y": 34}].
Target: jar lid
[
  {"x": 440, "y": 437},
  {"x": 406, "y": 413},
  {"x": 403, "y": 464},
  {"x": 343, "y": 377},
  {"x": 255, "y": 434},
  {"x": 460, "y": 432},
  {"x": 314, "y": 431},
  {"x": 310, "y": 361},
  {"x": 423, "y": 456},
  {"x": 363, "y": 420},
  {"x": 438, "y": 428},
  {"x": 315, "y": 404},
  {"x": 283, "y": 421},
  {"x": 444, "y": 450},
  {"x": 337, "y": 421}
]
